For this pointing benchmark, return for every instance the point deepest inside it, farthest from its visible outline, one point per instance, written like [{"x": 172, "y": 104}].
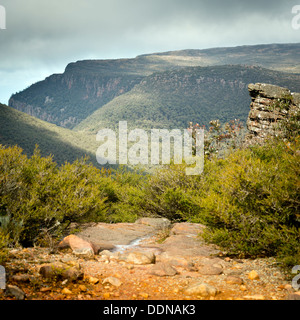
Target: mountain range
[{"x": 160, "y": 90}]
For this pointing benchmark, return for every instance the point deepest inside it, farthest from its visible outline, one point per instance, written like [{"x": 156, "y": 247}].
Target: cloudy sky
[{"x": 42, "y": 37}]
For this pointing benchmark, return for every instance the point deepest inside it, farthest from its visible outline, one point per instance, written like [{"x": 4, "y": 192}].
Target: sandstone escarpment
[{"x": 270, "y": 106}]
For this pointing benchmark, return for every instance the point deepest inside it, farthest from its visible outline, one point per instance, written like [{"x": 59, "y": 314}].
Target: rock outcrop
[{"x": 270, "y": 105}]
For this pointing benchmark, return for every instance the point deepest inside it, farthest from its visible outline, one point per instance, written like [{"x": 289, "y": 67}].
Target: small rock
[
  {"x": 234, "y": 280},
  {"x": 59, "y": 271},
  {"x": 93, "y": 280},
  {"x": 202, "y": 289},
  {"x": 21, "y": 278},
  {"x": 243, "y": 288},
  {"x": 86, "y": 253},
  {"x": 106, "y": 295},
  {"x": 15, "y": 291},
  {"x": 162, "y": 269},
  {"x": 255, "y": 297},
  {"x": 82, "y": 288},
  {"x": 144, "y": 295},
  {"x": 210, "y": 270},
  {"x": 177, "y": 261},
  {"x": 66, "y": 291},
  {"x": 253, "y": 275},
  {"x": 139, "y": 257},
  {"x": 113, "y": 281}
]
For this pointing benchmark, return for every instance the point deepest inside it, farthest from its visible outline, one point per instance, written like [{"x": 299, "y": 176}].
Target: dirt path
[{"x": 148, "y": 260}]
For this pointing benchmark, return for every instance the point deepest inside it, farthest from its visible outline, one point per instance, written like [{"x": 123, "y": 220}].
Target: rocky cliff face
[
  {"x": 269, "y": 106},
  {"x": 66, "y": 99}
]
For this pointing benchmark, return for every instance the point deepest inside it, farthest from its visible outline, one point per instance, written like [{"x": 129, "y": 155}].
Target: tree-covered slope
[
  {"x": 171, "y": 99},
  {"x": 18, "y": 128}
]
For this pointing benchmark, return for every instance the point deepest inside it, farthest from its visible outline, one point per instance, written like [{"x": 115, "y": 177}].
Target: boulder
[{"x": 79, "y": 246}]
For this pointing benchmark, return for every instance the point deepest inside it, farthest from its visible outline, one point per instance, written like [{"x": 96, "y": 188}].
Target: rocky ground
[{"x": 147, "y": 260}]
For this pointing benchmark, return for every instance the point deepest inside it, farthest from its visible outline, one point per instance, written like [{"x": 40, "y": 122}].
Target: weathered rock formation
[{"x": 270, "y": 105}]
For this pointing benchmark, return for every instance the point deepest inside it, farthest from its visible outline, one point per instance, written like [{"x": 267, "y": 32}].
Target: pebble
[
  {"x": 234, "y": 280},
  {"x": 163, "y": 269},
  {"x": 253, "y": 275},
  {"x": 113, "y": 281},
  {"x": 202, "y": 289},
  {"x": 66, "y": 291},
  {"x": 82, "y": 288},
  {"x": 210, "y": 270},
  {"x": 144, "y": 295},
  {"x": 21, "y": 278},
  {"x": 93, "y": 280},
  {"x": 139, "y": 258},
  {"x": 106, "y": 295},
  {"x": 243, "y": 288}
]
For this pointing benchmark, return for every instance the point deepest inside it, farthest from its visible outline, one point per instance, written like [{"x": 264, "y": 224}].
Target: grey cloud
[{"x": 46, "y": 35}]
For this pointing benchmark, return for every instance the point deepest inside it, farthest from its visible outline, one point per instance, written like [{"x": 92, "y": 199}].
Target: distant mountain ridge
[{"x": 87, "y": 86}]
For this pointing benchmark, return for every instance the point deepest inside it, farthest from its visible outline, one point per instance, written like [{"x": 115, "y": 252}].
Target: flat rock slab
[
  {"x": 123, "y": 233},
  {"x": 183, "y": 241},
  {"x": 187, "y": 228},
  {"x": 185, "y": 246}
]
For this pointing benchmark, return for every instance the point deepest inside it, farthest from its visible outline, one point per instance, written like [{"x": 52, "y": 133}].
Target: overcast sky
[{"x": 42, "y": 37}]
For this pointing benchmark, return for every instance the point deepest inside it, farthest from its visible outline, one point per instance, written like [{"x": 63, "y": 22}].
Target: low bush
[
  {"x": 36, "y": 195},
  {"x": 251, "y": 204}
]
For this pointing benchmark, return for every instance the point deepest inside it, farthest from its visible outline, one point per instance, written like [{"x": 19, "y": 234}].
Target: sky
[{"x": 42, "y": 37}]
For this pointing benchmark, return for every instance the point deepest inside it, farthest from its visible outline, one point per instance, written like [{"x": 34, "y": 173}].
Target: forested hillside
[
  {"x": 18, "y": 128},
  {"x": 171, "y": 99}
]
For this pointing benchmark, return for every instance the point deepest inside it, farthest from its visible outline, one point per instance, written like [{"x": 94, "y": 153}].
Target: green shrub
[
  {"x": 172, "y": 194},
  {"x": 36, "y": 196},
  {"x": 129, "y": 189},
  {"x": 251, "y": 204}
]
